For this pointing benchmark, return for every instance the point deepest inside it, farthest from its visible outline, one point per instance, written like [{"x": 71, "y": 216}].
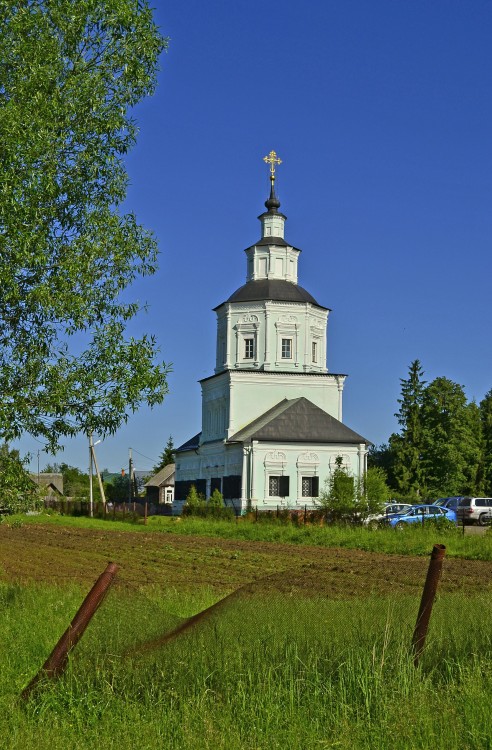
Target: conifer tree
[
  {"x": 408, "y": 444},
  {"x": 486, "y": 420},
  {"x": 166, "y": 457},
  {"x": 216, "y": 500}
]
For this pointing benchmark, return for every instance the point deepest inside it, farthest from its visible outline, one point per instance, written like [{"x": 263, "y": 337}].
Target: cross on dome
[{"x": 272, "y": 159}]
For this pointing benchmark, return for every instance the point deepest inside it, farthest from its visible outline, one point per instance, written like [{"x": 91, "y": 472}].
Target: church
[{"x": 272, "y": 427}]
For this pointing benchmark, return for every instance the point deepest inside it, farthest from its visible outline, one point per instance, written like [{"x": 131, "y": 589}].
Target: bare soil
[{"x": 46, "y": 553}]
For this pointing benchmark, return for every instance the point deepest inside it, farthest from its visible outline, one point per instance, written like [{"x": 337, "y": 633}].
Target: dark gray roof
[
  {"x": 190, "y": 444},
  {"x": 272, "y": 241},
  {"x": 271, "y": 289},
  {"x": 298, "y": 420}
]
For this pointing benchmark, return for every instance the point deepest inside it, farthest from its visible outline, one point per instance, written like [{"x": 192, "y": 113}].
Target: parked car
[
  {"x": 418, "y": 514},
  {"x": 449, "y": 502},
  {"x": 475, "y": 510},
  {"x": 375, "y": 518}
]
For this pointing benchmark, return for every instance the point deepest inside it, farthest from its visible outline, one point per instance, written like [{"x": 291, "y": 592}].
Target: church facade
[{"x": 272, "y": 427}]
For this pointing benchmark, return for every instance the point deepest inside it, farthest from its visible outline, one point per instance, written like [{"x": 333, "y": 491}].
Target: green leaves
[
  {"x": 69, "y": 74},
  {"x": 439, "y": 450}
]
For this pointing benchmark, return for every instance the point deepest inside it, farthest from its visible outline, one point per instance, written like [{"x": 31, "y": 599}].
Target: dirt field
[{"x": 60, "y": 554}]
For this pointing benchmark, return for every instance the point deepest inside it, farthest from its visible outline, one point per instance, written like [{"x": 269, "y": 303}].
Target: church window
[
  {"x": 249, "y": 348},
  {"x": 278, "y": 486},
  {"x": 314, "y": 351},
  {"x": 286, "y": 348},
  {"x": 310, "y": 486}
]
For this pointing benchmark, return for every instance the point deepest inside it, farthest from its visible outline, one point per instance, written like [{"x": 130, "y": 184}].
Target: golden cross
[{"x": 272, "y": 159}]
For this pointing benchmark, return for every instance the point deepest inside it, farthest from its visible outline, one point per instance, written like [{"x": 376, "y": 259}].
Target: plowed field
[{"x": 61, "y": 554}]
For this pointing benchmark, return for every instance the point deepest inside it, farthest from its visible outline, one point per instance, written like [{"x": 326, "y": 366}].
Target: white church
[{"x": 272, "y": 427}]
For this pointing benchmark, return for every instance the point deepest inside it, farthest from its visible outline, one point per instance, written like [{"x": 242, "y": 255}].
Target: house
[
  {"x": 160, "y": 488},
  {"x": 51, "y": 485},
  {"x": 272, "y": 429}
]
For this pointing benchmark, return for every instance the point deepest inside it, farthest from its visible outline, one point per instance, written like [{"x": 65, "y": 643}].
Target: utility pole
[
  {"x": 91, "y": 497},
  {"x": 99, "y": 478},
  {"x": 130, "y": 476}
]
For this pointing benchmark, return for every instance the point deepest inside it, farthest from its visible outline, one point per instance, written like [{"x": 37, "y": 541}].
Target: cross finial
[{"x": 272, "y": 159}]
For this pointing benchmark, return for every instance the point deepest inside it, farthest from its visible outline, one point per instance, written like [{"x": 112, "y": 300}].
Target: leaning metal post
[
  {"x": 55, "y": 665},
  {"x": 427, "y": 601}
]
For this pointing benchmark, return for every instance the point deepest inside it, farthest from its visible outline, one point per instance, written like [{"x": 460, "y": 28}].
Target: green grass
[
  {"x": 414, "y": 540},
  {"x": 260, "y": 674}
]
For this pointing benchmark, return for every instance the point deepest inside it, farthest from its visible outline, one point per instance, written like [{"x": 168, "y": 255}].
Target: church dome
[{"x": 272, "y": 289}]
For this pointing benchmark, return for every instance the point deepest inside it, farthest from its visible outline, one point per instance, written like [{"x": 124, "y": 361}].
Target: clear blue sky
[{"x": 381, "y": 112}]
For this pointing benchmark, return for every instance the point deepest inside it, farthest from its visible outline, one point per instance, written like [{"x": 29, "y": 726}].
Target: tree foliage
[
  {"x": 166, "y": 457},
  {"x": 70, "y": 73},
  {"x": 407, "y": 446},
  {"x": 442, "y": 447},
  {"x": 216, "y": 500},
  {"x": 375, "y": 491},
  {"x": 194, "y": 499},
  {"x": 18, "y": 492},
  {"x": 338, "y": 498},
  {"x": 486, "y": 423}
]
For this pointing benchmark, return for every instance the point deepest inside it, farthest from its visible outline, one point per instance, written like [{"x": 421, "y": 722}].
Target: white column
[
  {"x": 361, "y": 454},
  {"x": 252, "y": 473},
  {"x": 244, "y": 476},
  {"x": 228, "y": 338},
  {"x": 340, "y": 391},
  {"x": 307, "y": 354}
]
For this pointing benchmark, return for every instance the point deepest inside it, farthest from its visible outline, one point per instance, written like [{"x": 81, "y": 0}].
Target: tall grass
[{"x": 258, "y": 674}]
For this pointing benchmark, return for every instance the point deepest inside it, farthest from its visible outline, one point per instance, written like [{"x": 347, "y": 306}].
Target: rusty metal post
[
  {"x": 427, "y": 601},
  {"x": 55, "y": 664},
  {"x": 145, "y": 514}
]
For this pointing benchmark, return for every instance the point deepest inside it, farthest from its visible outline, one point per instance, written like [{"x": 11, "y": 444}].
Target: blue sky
[{"x": 381, "y": 112}]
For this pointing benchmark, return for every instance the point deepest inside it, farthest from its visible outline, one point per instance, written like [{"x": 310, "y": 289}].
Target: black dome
[{"x": 274, "y": 289}]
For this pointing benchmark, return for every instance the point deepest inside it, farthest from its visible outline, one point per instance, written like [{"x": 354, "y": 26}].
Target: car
[
  {"x": 475, "y": 510},
  {"x": 449, "y": 502},
  {"x": 418, "y": 514},
  {"x": 375, "y": 519}
]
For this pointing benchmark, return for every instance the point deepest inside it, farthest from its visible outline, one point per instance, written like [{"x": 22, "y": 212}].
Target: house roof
[
  {"x": 271, "y": 289},
  {"x": 55, "y": 481},
  {"x": 164, "y": 476},
  {"x": 298, "y": 420}
]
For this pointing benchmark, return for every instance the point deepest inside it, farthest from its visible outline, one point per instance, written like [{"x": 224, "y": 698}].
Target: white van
[{"x": 475, "y": 510}]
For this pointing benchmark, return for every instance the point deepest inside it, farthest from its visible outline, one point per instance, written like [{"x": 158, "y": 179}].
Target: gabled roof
[
  {"x": 298, "y": 420},
  {"x": 191, "y": 444},
  {"x": 164, "y": 476},
  {"x": 50, "y": 480}
]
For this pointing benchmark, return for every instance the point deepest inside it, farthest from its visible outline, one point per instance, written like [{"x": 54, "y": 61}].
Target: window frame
[
  {"x": 283, "y": 485},
  {"x": 285, "y": 341},
  {"x": 313, "y": 481},
  {"x": 249, "y": 347}
]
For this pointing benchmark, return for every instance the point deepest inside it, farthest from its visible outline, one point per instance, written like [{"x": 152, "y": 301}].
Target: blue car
[{"x": 419, "y": 514}]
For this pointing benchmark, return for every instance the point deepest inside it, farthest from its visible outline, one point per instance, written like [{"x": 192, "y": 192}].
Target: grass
[
  {"x": 260, "y": 674},
  {"x": 414, "y": 540}
]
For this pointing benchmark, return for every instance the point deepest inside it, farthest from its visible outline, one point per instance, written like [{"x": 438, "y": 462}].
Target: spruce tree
[
  {"x": 486, "y": 421},
  {"x": 407, "y": 446},
  {"x": 166, "y": 457}
]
